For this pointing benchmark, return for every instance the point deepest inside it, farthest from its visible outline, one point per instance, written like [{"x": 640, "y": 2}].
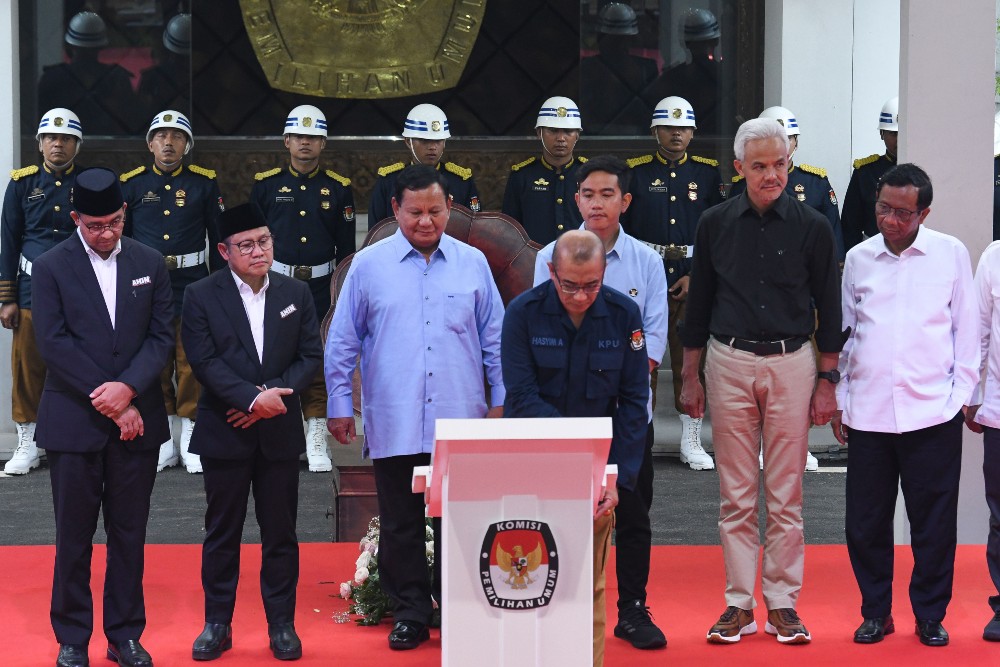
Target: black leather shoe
[
  {"x": 213, "y": 640},
  {"x": 129, "y": 653},
  {"x": 285, "y": 644},
  {"x": 408, "y": 634},
  {"x": 874, "y": 630},
  {"x": 72, "y": 655},
  {"x": 932, "y": 633}
]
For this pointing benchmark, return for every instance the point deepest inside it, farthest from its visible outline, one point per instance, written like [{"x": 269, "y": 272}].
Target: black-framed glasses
[
  {"x": 246, "y": 247},
  {"x": 902, "y": 214},
  {"x": 573, "y": 288},
  {"x": 112, "y": 226}
]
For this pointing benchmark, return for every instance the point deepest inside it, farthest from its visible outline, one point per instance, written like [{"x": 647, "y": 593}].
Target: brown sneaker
[
  {"x": 733, "y": 623},
  {"x": 787, "y": 627}
]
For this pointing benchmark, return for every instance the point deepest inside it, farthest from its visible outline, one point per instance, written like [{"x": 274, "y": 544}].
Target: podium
[{"x": 517, "y": 498}]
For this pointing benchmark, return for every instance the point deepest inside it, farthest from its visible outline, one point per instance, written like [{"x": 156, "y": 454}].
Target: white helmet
[
  {"x": 306, "y": 119},
  {"x": 889, "y": 118},
  {"x": 87, "y": 29},
  {"x": 171, "y": 118},
  {"x": 60, "y": 121},
  {"x": 560, "y": 112},
  {"x": 426, "y": 121},
  {"x": 785, "y": 117},
  {"x": 673, "y": 111},
  {"x": 177, "y": 36}
]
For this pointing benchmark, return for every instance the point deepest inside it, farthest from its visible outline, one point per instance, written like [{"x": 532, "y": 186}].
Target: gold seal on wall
[{"x": 362, "y": 49}]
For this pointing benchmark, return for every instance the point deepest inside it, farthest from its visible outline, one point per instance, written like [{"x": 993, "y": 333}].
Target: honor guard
[
  {"x": 806, "y": 183},
  {"x": 35, "y": 218},
  {"x": 540, "y": 191},
  {"x": 858, "y": 219},
  {"x": 670, "y": 189},
  {"x": 424, "y": 133},
  {"x": 310, "y": 212},
  {"x": 173, "y": 208}
]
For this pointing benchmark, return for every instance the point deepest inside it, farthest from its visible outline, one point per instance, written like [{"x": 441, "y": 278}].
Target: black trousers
[
  {"x": 275, "y": 487},
  {"x": 633, "y": 535},
  {"x": 402, "y": 559},
  {"x": 927, "y": 464},
  {"x": 991, "y": 475},
  {"x": 120, "y": 482}
]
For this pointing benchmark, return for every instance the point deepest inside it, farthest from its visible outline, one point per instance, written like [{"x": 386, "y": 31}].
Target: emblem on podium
[{"x": 519, "y": 564}]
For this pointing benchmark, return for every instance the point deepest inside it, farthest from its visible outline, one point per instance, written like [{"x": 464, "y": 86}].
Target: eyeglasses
[
  {"x": 902, "y": 214},
  {"x": 573, "y": 288},
  {"x": 246, "y": 247},
  {"x": 113, "y": 226}
]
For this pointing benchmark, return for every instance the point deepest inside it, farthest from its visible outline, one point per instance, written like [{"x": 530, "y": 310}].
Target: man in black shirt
[{"x": 761, "y": 261}]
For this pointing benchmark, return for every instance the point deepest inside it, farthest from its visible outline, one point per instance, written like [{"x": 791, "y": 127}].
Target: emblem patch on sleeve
[{"x": 637, "y": 340}]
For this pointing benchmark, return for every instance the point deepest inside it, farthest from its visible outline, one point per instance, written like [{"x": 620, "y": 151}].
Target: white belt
[
  {"x": 185, "y": 261},
  {"x": 25, "y": 265},
  {"x": 303, "y": 272},
  {"x": 672, "y": 251}
]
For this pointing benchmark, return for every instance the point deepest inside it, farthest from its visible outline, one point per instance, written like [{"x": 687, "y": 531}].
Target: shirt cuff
[
  {"x": 340, "y": 406},
  {"x": 498, "y": 394}
]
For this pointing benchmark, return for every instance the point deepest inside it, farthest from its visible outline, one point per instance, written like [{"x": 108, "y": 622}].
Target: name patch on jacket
[
  {"x": 288, "y": 311},
  {"x": 145, "y": 280},
  {"x": 545, "y": 341}
]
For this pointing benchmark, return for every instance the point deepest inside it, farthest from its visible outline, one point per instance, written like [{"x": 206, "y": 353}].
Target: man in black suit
[
  {"x": 253, "y": 342},
  {"x": 102, "y": 312}
]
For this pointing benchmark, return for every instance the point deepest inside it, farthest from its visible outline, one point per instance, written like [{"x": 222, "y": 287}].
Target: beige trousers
[{"x": 602, "y": 549}]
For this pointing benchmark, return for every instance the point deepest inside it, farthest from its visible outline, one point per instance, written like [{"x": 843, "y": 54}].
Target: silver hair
[{"x": 758, "y": 128}]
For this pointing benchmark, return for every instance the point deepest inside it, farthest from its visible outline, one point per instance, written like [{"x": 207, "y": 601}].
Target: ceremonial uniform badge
[
  {"x": 325, "y": 205},
  {"x": 637, "y": 340},
  {"x": 180, "y": 198},
  {"x": 325, "y": 192}
]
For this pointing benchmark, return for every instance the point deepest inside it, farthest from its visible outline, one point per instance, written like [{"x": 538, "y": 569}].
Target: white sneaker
[
  {"x": 168, "y": 453},
  {"x": 191, "y": 461},
  {"x": 812, "y": 465},
  {"x": 692, "y": 452},
  {"x": 760, "y": 459},
  {"x": 319, "y": 460},
  {"x": 25, "y": 455}
]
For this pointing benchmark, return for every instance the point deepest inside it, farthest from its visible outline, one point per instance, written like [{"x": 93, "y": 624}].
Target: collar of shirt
[
  {"x": 160, "y": 172},
  {"x": 671, "y": 163},
  {"x": 93, "y": 255},
  {"x": 779, "y": 208},
  {"x": 619, "y": 248},
  {"x": 561, "y": 169},
  {"x": 298, "y": 175},
  {"x": 919, "y": 245},
  {"x": 59, "y": 174},
  {"x": 246, "y": 290},
  {"x": 403, "y": 248}
]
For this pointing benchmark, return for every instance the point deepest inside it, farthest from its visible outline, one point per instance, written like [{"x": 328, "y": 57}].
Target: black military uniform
[
  {"x": 541, "y": 198},
  {"x": 858, "y": 220},
  {"x": 461, "y": 187},
  {"x": 35, "y": 218},
  {"x": 172, "y": 213},
  {"x": 809, "y": 185}
]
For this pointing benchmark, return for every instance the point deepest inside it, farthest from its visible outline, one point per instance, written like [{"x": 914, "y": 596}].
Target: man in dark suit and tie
[
  {"x": 253, "y": 342},
  {"x": 102, "y": 312}
]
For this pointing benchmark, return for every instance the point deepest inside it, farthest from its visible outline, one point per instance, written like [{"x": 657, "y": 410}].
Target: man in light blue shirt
[
  {"x": 635, "y": 270},
  {"x": 423, "y": 312}
]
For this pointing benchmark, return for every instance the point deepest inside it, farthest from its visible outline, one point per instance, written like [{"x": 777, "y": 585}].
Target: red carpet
[{"x": 685, "y": 596}]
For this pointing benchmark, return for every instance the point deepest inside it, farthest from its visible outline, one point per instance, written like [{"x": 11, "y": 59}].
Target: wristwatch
[{"x": 833, "y": 376}]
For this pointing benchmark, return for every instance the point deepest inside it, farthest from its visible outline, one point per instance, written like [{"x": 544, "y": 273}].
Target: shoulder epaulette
[
  {"x": 464, "y": 172},
  {"x": 860, "y": 162},
  {"x": 634, "y": 162},
  {"x": 809, "y": 169},
  {"x": 129, "y": 174},
  {"x": 343, "y": 180},
  {"x": 17, "y": 174},
  {"x": 390, "y": 169},
  {"x": 737, "y": 178},
  {"x": 582, "y": 159},
  {"x": 705, "y": 160},
  {"x": 208, "y": 173},
  {"x": 261, "y": 175},
  {"x": 519, "y": 165}
]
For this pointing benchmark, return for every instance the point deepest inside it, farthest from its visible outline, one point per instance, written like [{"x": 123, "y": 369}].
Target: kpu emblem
[{"x": 519, "y": 565}]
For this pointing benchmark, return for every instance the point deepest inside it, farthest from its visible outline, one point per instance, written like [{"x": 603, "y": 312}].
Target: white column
[
  {"x": 10, "y": 126},
  {"x": 946, "y": 106}
]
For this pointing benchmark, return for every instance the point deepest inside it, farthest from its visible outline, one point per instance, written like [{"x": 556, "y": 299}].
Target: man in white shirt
[{"x": 908, "y": 367}]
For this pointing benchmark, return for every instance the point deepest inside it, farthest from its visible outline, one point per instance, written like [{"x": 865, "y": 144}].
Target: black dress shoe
[
  {"x": 932, "y": 633},
  {"x": 874, "y": 630},
  {"x": 129, "y": 653},
  {"x": 213, "y": 640},
  {"x": 72, "y": 655},
  {"x": 408, "y": 634},
  {"x": 285, "y": 644}
]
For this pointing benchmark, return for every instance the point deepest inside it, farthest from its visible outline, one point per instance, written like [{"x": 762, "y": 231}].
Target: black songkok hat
[
  {"x": 240, "y": 218},
  {"x": 97, "y": 192}
]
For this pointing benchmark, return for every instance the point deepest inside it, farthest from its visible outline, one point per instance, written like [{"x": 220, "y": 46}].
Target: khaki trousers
[
  {"x": 27, "y": 371},
  {"x": 761, "y": 401},
  {"x": 183, "y": 401},
  {"x": 602, "y": 550}
]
